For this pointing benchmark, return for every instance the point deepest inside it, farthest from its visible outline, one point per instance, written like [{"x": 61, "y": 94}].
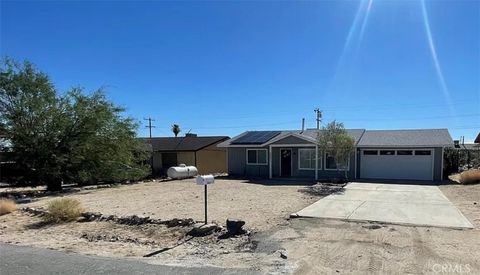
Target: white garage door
[{"x": 410, "y": 164}]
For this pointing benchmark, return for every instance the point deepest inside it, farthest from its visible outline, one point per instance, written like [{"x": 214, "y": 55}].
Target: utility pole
[
  {"x": 319, "y": 117},
  {"x": 150, "y": 126}
]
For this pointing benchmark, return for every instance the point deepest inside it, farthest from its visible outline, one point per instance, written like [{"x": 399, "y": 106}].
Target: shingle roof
[
  {"x": 310, "y": 134},
  {"x": 419, "y": 137},
  {"x": 371, "y": 138},
  {"x": 183, "y": 143}
]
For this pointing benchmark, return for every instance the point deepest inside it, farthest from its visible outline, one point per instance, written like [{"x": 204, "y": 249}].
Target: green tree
[
  {"x": 66, "y": 138},
  {"x": 334, "y": 139},
  {"x": 176, "y": 129}
]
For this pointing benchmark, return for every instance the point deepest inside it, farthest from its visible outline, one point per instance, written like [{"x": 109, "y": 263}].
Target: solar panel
[{"x": 256, "y": 137}]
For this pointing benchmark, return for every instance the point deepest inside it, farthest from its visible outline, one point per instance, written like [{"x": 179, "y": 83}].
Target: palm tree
[{"x": 176, "y": 129}]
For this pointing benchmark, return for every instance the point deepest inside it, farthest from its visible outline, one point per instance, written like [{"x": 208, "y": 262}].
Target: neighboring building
[
  {"x": 201, "y": 152},
  {"x": 379, "y": 154}
]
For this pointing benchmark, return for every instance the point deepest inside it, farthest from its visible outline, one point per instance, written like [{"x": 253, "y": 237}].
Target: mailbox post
[{"x": 205, "y": 181}]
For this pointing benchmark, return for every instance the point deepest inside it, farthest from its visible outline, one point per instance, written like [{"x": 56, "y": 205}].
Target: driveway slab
[{"x": 389, "y": 203}]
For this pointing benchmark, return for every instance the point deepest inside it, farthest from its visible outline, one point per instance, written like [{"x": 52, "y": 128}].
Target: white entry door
[{"x": 408, "y": 164}]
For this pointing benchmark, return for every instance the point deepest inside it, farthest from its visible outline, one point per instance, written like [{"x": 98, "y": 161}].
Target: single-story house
[
  {"x": 378, "y": 154},
  {"x": 201, "y": 152}
]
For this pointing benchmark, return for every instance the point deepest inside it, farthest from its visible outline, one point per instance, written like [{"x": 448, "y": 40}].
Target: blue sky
[{"x": 219, "y": 68}]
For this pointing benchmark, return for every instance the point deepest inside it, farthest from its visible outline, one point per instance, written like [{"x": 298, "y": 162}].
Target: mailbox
[{"x": 205, "y": 180}]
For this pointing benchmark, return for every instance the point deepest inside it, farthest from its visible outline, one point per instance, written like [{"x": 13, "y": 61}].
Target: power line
[
  {"x": 149, "y": 126},
  {"x": 410, "y": 118}
]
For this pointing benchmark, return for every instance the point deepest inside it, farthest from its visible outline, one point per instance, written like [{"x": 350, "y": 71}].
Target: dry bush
[
  {"x": 63, "y": 210},
  {"x": 7, "y": 206},
  {"x": 470, "y": 176}
]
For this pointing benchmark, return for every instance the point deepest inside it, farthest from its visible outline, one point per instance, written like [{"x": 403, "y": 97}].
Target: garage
[{"x": 401, "y": 164}]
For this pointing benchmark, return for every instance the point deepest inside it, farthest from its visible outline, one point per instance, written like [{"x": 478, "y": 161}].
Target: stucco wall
[
  {"x": 187, "y": 158},
  {"x": 212, "y": 159}
]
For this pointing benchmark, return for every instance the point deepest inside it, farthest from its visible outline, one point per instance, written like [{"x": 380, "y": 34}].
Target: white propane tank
[{"x": 182, "y": 172}]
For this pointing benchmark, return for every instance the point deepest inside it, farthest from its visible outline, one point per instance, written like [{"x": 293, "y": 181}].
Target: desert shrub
[
  {"x": 63, "y": 210},
  {"x": 470, "y": 176},
  {"x": 7, "y": 206}
]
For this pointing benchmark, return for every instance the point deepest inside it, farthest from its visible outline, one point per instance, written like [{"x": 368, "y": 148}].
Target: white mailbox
[{"x": 205, "y": 180}]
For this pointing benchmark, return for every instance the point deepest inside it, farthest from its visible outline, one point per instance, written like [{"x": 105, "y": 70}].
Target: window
[
  {"x": 306, "y": 159},
  {"x": 257, "y": 156},
  {"x": 404, "y": 152},
  {"x": 423, "y": 153},
  {"x": 331, "y": 164},
  {"x": 387, "y": 152},
  {"x": 370, "y": 152}
]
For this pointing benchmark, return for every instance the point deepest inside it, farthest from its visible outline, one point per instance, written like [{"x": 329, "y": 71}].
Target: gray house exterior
[{"x": 378, "y": 154}]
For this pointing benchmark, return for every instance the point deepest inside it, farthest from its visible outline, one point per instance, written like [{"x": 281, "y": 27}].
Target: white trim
[
  {"x": 356, "y": 150},
  {"x": 401, "y": 146},
  {"x": 431, "y": 149},
  {"x": 292, "y": 145},
  {"x": 443, "y": 156},
  {"x": 300, "y": 136},
  {"x": 433, "y": 164},
  {"x": 270, "y": 162},
  {"x": 335, "y": 169},
  {"x": 303, "y": 149},
  {"x": 280, "y": 161},
  {"x": 266, "y": 157}
]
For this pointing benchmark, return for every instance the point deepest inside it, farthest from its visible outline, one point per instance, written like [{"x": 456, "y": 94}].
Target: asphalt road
[{"x": 30, "y": 260}]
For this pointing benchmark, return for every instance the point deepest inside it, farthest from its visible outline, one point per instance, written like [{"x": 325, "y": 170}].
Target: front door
[{"x": 285, "y": 162}]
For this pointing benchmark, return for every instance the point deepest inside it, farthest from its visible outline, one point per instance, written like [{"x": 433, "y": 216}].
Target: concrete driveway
[{"x": 390, "y": 203}]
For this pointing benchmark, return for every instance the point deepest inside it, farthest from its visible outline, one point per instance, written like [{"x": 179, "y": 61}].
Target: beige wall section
[
  {"x": 212, "y": 160},
  {"x": 187, "y": 158}
]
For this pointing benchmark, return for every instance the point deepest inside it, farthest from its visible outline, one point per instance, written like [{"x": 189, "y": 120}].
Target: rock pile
[
  {"x": 234, "y": 227},
  {"x": 200, "y": 229},
  {"x": 34, "y": 211},
  {"x": 135, "y": 220}
]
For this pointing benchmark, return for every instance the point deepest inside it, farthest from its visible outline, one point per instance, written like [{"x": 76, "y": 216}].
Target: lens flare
[
  {"x": 354, "y": 37},
  {"x": 365, "y": 20},
  {"x": 436, "y": 63}
]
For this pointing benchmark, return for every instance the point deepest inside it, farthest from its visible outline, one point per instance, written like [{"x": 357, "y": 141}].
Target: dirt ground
[
  {"x": 312, "y": 246},
  {"x": 263, "y": 207},
  {"x": 325, "y": 246}
]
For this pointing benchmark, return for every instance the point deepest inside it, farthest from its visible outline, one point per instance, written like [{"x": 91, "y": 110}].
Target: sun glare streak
[
  {"x": 433, "y": 52},
  {"x": 365, "y": 20},
  {"x": 346, "y": 47}
]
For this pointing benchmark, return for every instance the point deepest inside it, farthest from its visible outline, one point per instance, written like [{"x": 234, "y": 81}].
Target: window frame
[
  {"x": 382, "y": 152},
  {"x": 312, "y": 160},
  {"x": 335, "y": 169},
  {"x": 421, "y": 154},
  {"x": 370, "y": 151},
  {"x": 256, "y": 154}
]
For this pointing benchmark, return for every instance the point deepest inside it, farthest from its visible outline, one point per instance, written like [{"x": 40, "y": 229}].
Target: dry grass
[
  {"x": 63, "y": 210},
  {"x": 470, "y": 176},
  {"x": 7, "y": 206},
  {"x": 467, "y": 177}
]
